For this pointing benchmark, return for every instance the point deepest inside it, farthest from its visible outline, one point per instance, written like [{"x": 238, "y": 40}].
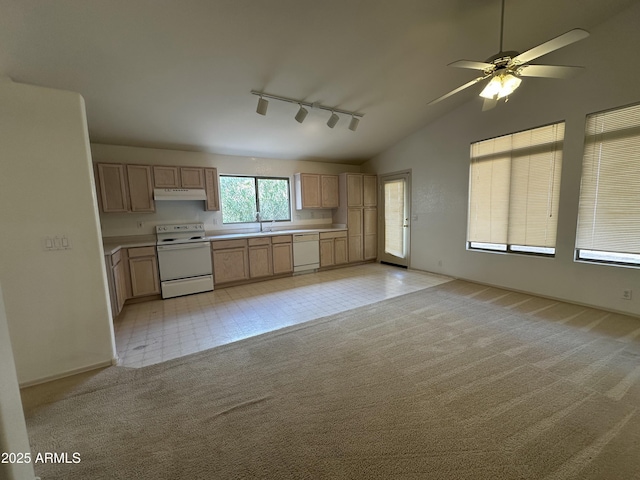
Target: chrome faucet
[{"x": 259, "y": 220}]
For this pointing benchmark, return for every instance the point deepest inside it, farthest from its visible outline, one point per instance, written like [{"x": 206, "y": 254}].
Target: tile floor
[{"x": 156, "y": 331}]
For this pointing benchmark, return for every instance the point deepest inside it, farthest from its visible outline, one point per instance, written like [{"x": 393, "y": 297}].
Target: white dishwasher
[{"x": 306, "y": 252}]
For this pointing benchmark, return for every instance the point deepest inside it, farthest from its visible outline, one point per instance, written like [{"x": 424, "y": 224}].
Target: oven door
[{"x": 184, "y": 260}]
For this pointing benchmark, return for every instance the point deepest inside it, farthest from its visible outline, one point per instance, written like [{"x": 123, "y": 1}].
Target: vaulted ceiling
[{"x": 178, "y": 74}]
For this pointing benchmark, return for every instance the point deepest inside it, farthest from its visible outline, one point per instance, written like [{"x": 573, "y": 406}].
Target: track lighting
[
  {"x": 333, "y": 119},
  {"x": 353, "y": 124},
  {"x": 262, "y": 106},
  {"x": 303, "y": 112}
]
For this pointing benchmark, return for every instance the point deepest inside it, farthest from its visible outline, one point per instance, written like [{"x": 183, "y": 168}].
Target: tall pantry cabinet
[{"x": 358, "y": 210}]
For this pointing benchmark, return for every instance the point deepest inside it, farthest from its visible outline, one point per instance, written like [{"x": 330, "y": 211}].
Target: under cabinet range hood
[{"x": 179, "y": 194}]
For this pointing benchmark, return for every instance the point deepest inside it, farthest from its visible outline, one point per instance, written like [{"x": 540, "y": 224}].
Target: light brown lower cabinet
[
  {"x": 120, "y": 285},
  {"x": 333, "y": 248},
  {"x": 230, "y": 261},
  {"x": 260, "y": 264},
  {"x": 356, "y": 243},
  {"x": 143, "y": 269},
  {"x": 282, "y": 254},
  {"x": 370, "y": 230}
]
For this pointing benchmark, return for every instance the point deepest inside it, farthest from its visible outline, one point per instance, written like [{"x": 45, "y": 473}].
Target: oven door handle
[{"x": 183, "y": 246}]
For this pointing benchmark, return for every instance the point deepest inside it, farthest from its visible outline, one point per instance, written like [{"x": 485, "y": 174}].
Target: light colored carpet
[{"x": 458, "y": 381}]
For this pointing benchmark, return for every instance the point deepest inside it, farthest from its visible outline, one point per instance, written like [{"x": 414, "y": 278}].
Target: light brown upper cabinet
[
  {"x": 125, "y": 189},
  {"x": 192, "y": 177},
  {"x": 178, "y": 177},
  {"x": 140, "y": 189},
  {"x": 329, "y": 191},
  {"x": 113, "y": 188},
  {"x": 370, "y": 190},
  {"x": 354, "y": 189},
  {"x": 211, "y": 187},
  {"x": 166, "y": 177},
  {"x": 316, "y": 191}
]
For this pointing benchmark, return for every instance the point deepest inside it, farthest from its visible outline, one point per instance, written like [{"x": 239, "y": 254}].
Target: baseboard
[
  {"x": 69, "y": 373},
  {"x": 548, "y": 297}
]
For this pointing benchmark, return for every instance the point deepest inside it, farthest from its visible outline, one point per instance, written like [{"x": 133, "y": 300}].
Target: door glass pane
[{"x": 394, "y": 218}]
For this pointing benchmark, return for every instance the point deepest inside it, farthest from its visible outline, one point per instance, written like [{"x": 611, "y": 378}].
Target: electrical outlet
[
  {"x": 140, "y": 224},
  {"x": 626, "y": 294}
]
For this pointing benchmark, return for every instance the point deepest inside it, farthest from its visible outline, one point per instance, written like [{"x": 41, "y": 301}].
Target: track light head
[
  {"x": 262, "y": 106},
  {"x": 353, "y": 124},
  {"x": 333, "y": 119},
  {"x": 302, "y": 114}
]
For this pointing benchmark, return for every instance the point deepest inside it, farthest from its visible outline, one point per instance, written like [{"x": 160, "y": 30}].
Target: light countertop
[{"x": 113, "y": 244}]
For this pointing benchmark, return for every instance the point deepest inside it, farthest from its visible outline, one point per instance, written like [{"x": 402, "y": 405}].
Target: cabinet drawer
[
  {"x": 222, "y": 244},
  {"x": 282, "y": 239},
  {"x": 116, "y": 257},
  {"x": 141, "y": 252},
  {"x": 326, "y": 235},
  {"x": 259, "y": 241}
]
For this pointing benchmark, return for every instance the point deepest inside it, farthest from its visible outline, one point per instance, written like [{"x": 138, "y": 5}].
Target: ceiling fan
[{"x": 506, "y": 68}]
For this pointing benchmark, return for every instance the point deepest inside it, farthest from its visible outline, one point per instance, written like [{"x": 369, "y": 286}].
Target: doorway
[{"x": 395, "y": 193}]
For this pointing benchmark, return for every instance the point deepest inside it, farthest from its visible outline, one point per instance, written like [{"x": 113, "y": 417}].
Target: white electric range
[{"x": 184, "y": 259}]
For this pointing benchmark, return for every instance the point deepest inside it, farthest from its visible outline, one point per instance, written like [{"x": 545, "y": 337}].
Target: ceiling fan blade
[
  {"x": 459, "y": 89},
  {"x": 489, "y": 103},
  {"x": 549, "y": 71},
  {"x": 471, "y": 64},
  {"x": 547, "y": 47}
]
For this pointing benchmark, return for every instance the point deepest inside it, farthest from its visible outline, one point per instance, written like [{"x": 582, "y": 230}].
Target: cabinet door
[
  {"x": 354, "y": 225},
  {"x": 120, "y": 283},
  {"x": 370, "y": 228},
  {"x": 230, "y": 265},
  {"x": 326, "y": 252},
  {"x": 310, "y": 190},
  {"x": 166, "y": 177},
  {"x": 144, "y": 276},
  {"x": 113, "y": 190},
  {"x": 354, "y": 190},
  {"x": 329, "y": 191},
  {"x": 370, "y": 190},
  {"x": 140, "y": 188},
  {"x": 340, "y": 250},
  {"x": 282, "y": 258},
  {"x": 211, "y": 187},
  {"x": 260, "y": 261},
  {"x": 192, "y": 177}
]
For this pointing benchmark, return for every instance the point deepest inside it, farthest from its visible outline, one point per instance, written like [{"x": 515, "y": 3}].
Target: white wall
[
  {"x": 13, "y": 431},
  {"x": 117, "y": 224},
  {"x": 439, "y": 158},
  {"x": 56, "y": 301}
]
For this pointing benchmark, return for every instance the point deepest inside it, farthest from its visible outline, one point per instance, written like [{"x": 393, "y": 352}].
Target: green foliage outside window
[{"x": 243, "y": 197}]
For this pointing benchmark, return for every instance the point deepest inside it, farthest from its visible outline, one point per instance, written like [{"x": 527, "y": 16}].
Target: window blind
[
  {"x": 609, "y": 209},
  {"x": 515, "y": 187}
]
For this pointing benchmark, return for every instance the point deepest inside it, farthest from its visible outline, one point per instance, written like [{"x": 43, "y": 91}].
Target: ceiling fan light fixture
[
  {"x": 262, "y": 106},
  {"x": 501, "y": 85},
  {"x": 302, "y": 114}
]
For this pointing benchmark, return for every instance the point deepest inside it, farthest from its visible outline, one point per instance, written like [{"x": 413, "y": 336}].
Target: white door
[{"x": 395, "y": 200}]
